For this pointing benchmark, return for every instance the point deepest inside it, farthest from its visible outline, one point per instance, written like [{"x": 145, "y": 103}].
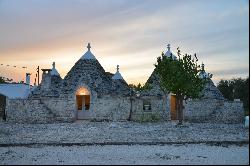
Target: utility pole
[{"x": 38, "y": 75}]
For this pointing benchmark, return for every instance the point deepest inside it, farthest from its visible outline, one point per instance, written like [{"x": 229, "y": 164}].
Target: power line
[
  {"x": 14, "y": 66},
  {"x": 37, "y": 80}
]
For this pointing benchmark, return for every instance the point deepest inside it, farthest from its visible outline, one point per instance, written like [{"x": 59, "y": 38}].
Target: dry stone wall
[
  {"x": 111, "y": 108},
  {"x": 27, "y": 111},
  {"x": 214, "y": 111},
  {"x": 36, "y": 111},
  {"x": 158, "y": 107}
]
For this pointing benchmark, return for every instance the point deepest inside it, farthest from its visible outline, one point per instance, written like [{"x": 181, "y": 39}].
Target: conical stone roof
[
  {"x": 155, "y": 89},
  {"x": 211, "y": 91},
  {"x": 87, "y": 72},
  {"x": 119, "y": 86}
]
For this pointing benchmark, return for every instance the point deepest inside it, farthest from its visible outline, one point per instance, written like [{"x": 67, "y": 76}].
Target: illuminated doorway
[{"x": 82, "y": 99}]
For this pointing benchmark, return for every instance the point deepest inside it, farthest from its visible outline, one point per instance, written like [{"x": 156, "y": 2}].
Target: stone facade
[
  {"x": 55, "y": 99},
  {"x": 212, "y": 110},
  {"x": 157, "y": 107},
  {"x": 212, "y": 107},
  {"x": 101, "y": 97}
]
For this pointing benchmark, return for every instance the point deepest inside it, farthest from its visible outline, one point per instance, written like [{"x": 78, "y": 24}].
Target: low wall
[
  {"x": 31, "y": 111},
  {"x": 215, "y": 111},
  {"x": 50, "y": 110},
  {"x": 26, "y": 111}
]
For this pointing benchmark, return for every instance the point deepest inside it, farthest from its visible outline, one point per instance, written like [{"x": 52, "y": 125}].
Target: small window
[{"x": 146, "y": 105}]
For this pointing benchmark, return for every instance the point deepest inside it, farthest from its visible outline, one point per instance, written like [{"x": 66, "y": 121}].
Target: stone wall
[
  {"x": 27, "y": 111},
  {"x": 50, "y": 110},
  {"x": 158, "y": 107},
  {"x": 111, "y": 108},
  {"x": 34, "y": 111},
  {"x": 214, "y": 111},
  {"x": 62, "y": 108}
]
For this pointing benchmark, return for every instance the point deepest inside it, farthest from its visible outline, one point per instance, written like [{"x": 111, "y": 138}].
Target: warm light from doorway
[{"x": 82, "y": 91}]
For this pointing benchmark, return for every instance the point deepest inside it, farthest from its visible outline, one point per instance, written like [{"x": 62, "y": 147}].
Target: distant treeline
[
  {"x": 4, "y": 80},
  {"x": 236, "y": 88}
]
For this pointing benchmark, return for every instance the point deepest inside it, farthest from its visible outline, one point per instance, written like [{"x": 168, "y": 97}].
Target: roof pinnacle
[
  {"x": 202, "y": 66},
  {"x": 88, "y": 46},
  {"x": 88, "y": 54},
  {"x": 54, "y": 65},
  {"x": 168, "y": 46},
  {"x": 117, "y": 68},
  {"x": 117, "y": 75}
]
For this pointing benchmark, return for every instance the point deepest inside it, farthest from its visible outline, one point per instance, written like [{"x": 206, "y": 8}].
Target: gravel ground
[
  {"x": 108, "y": 132},
  {"x": 201, "y": 154}
]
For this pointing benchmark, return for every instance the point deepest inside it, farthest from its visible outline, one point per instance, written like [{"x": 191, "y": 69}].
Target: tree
[
  {"x": 139, "y": 87},
  {"x": 135, "y": 87},
  {"x": 4, "y": 80},
  {"x": 226, "y": 89},
  {"x": 181, "y": 77},
  {"x": 236, "y": 88}
]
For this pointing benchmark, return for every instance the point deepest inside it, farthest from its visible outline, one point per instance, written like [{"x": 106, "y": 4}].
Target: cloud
[{"x": 129, "y": 33}]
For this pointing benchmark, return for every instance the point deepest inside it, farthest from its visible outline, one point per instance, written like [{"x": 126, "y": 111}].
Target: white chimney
[{"x": 28, "y": 79}]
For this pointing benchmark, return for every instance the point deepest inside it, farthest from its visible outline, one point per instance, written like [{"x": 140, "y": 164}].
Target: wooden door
[
  {"x": 87, "y": 102},
  {"x": 79, "y": 101},
  {"x": 173, "y": 110}
]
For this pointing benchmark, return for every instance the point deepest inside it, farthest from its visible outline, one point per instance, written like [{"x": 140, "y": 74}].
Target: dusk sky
[{"x": 131, "y": 33}]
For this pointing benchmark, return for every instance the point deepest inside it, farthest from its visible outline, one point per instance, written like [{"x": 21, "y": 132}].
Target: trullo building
[{"x": 88, "y": 92}]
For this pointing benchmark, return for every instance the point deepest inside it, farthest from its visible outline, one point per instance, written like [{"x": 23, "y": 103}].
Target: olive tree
[{"x": 181, "y": 77}]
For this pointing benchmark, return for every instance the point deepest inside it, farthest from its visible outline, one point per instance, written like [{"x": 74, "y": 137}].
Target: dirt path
[
  {"x": 84, "y": 132},
  {"x": 123, "y": 154}
]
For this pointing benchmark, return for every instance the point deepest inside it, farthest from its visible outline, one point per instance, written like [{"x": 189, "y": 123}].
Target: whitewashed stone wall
[{"x": 214, "y": 111}]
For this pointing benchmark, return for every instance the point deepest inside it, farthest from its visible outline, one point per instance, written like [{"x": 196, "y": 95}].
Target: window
[{"x": 146, "y": 105}]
